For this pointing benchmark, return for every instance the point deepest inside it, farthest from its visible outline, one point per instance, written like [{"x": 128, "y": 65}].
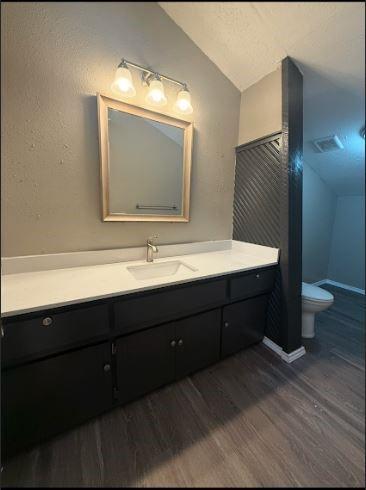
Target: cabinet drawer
[
  {"x": 50, "y": 333},
  {"x": 252, "y": 284},
  {"x": 155, "y": 308}
]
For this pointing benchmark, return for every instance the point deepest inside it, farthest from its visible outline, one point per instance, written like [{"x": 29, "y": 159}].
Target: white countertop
[{"x": 35, "y": 290}]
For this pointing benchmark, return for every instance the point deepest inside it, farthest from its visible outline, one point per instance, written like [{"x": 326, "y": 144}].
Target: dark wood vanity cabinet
[
  {"x": 144, "y": 361},
  {"x": 162, "y": 306},
  {"x": 45, "y": 397},
  {"x": 243, "y": 324},
  {"x": 63, "y": 366},
  {"x": 197, "y": 342},
  {"x": 159, "y": 355},
  {"x": 44, "y": 334},
  {"x": 251, "y": 284}
]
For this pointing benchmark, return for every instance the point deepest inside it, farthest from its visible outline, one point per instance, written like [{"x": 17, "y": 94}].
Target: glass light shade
[
  {"x": 122, "y": 83},
  {"x": 156, "y": 95},
  {"x": 183, "y": 102}
]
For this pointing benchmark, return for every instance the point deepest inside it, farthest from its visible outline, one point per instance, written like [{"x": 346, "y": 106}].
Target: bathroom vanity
[{"x": 65, "y": 360}]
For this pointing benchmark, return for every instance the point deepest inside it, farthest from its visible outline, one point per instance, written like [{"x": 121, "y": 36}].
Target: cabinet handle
[
  {"x": 226, "y": 324},
  {"x": 46, "y": 322},
  {"x": 107, "y": 368},
  {"x": 180, "y": 342},
  {"x": 257, "y": 276},
  {"x": 173, "y": 343},
  {"x": 2, "y": 332}
]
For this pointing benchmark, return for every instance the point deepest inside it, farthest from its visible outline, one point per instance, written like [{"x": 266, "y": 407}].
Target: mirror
[{"x": 145, "y": 163}]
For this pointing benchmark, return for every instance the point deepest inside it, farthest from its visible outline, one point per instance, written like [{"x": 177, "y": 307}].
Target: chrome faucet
[{"x": 151, "y": 248}]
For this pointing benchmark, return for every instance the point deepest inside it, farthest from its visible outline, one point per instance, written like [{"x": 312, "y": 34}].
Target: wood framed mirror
[{"x": 145, "y": 163}]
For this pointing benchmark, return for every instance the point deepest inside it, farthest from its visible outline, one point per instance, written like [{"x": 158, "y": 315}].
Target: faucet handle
[{"x": 153, "y": 237}]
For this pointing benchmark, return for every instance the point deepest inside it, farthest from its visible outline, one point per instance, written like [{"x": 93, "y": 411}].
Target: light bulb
[
  {"x": 122, "y": 83},
  {"x": 183, "y": 102},
  {"x": 156, "y": 95}
]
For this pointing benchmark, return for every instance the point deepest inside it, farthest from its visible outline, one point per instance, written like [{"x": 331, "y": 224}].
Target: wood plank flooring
[{"x": 251, "y": 420}]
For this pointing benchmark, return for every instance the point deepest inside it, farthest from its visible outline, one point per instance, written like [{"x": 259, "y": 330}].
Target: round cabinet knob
[
  {"x": 107, "y": 368},
  {"x": 180, "y": 342},
  {"x": 46, "y": 322},
  {"x": 257, "y": 276},
  {"x": 173, "y": 343},
  {"x": 226, "y": 324}
]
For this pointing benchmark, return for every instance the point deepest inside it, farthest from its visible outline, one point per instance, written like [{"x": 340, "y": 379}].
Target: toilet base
[{"x": 308, "y": 327}]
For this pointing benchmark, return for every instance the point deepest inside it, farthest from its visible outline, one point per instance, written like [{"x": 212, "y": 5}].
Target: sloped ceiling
[{"x": 247, "y": 40}]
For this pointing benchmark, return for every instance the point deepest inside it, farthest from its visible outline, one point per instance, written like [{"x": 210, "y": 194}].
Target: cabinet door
[
  {"x": 145, "y": 361},
  {"x": 243, "y": 324},
  {"x": 198, "y": 342},
  {"x": 43, "y": 398}
]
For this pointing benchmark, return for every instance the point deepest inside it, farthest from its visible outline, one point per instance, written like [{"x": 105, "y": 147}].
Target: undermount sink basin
[{"x": 159, "y": 269}]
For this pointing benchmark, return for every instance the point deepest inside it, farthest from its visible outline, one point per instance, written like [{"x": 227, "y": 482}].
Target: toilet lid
[{"x": 315, "y": 293}]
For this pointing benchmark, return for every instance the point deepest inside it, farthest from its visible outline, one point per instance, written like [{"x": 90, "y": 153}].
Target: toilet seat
[{"x": 311, "y": 293}]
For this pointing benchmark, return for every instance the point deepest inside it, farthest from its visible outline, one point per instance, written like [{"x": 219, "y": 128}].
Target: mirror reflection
[{"x": 146, "y": 165}]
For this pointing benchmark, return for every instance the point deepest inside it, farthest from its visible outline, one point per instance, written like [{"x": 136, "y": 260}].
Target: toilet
[{"x": 314, "y": 300}]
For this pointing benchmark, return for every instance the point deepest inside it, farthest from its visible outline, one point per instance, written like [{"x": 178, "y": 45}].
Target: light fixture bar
[{"x": 125, "y": 63}]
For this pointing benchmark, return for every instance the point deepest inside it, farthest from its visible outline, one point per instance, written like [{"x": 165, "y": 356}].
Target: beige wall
[
  {"x": 260, "y": 108},
  {"x": 55, "y": 57}
]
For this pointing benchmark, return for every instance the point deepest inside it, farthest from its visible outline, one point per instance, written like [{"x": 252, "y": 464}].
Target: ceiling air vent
[{"x": 330, "y": 143}]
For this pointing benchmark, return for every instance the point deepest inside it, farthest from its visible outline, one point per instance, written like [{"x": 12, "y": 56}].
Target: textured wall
[
  {"x": 261, "y": 109},
  {"x": 319, "y": 203},
  {"x": 347, "y": 255},
  {"x": 55, "y": 57}
]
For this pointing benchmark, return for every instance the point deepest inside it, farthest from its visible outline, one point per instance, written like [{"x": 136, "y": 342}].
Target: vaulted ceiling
[{"x": 247, "y": 40}]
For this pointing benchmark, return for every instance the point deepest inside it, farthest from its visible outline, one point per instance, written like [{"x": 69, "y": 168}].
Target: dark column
[
  {"x": 268, "y": 207},
  {"x": 291, "y": 204}
]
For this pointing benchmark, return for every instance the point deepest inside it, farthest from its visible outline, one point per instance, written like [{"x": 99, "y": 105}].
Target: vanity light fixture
[
  {"x": 122, "y": 83},
  {"x": 155, "y": 95},
  {"x": 183, "y": 102},
  {"x": 123, "y": 86}
]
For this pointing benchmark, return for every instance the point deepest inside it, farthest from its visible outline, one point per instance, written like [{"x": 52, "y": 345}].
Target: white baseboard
[
  {"x": 292, "y": 356},
  {"x": 339, "y": 285},
  {"x": 319, "y": 283}
]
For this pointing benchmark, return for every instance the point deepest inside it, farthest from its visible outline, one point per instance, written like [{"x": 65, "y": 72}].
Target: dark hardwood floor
[{"x": 251, "y": 420}]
